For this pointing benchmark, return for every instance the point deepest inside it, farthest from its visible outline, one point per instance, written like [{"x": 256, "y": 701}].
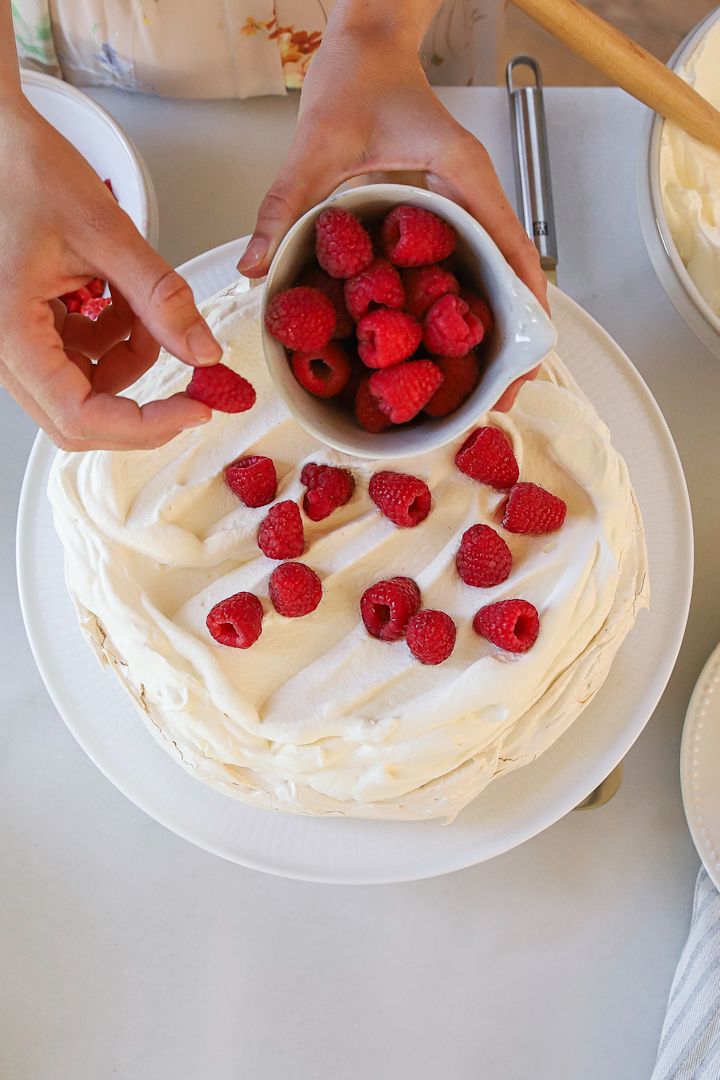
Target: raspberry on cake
[
  {"x": 324, "y": 372},
  {"x": 221, "y": 388},
  {"x": 483, "y": 559},
  {"x": 328, "y": 488},
  {"x": 404, "y": 499},
  {"x": 295, "y": 590},
  {"x": 301, "y": 318},
  {"x": 426, "y": 284},
  {"x": 253, "y": 479},
  {"x": 342, "y": 243},
  {"x": 412, "y": 236},
  {"x": 281, "y": 535},
  {"x": 450, "y": 328},
  {"x": 237, "y": 621},
  {"x": 512, "y": 625},
  {"x": 403, "y": 391},
  {"x": 487, "y": 456},
  {"x": 461, "y": 375},
  {"x": 386, "y": 337},
  {"x": 430, "y": 636},
  {"x": 532, "y": 509},
  {"x": 379, "y": 284},
  {"x": 387, "y": 606}
]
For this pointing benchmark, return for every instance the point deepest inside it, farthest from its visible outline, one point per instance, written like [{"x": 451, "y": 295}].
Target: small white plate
[
  {"x": 512, "y": 809},
  {"x": 700, "y": 766},
  {"x": 101, "y": 142}
]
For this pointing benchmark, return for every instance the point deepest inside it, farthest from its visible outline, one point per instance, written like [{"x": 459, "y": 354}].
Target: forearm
[
  {"x": 404, "y": 23},
  {"x": 9, "y": 72}
]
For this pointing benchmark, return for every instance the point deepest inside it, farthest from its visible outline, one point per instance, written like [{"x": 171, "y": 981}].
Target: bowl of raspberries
[{"x": 392, "y": 322}]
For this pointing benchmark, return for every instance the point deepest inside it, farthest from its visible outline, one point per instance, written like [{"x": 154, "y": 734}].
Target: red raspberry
[
  {"x": 221, "y": 388},
  {"x": 108, "y": 185},
  {"x": 253, "y": 479},
  {"x": 342, "y": 245},
  {"x": 487, "y": 456},
  {"x": 73, "y": 301},
  {"x": 328, "y": 488},
  {"x": 295, "y": 589},
  {"x": 387, "y": 606},
  {"x": 411, "y": 236},
  {"x": 316, "y": 278},
  {"x": 402, "y": 498},
  {"x": 96, "y": 287},
  {"x": 387, "y": 337},
  {"x": 509, "y": 624},
  {"x": 431, "y": 636},
  {"x": 461, "y": 374},
  {"x": 280, "y": 535},
  {"x": 92, "y": 309},
  {"x": 237, "y": 621},
  {"x": 402, "y": 391},
  {"x": 301, "y": 318},
  {"x": 532, "y": 509},
  {"x": 324, "y": 372},
  {"x": 367, "y": 412},
  {"x": 380, "y": 283},
  {"x": 484, "y": 558},
  {"x": 481, "y": 311},
  {"x": 426, "y": 284},
  {"x": 450, "y": 328}
]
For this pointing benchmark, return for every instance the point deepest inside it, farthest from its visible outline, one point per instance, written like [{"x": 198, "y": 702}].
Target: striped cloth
[{"x": 690, "y": 1041}]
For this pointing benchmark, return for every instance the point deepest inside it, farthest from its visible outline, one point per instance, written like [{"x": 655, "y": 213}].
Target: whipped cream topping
[
  {"x": 317, "y": 716},
  {"x": 690, "y": 177}
]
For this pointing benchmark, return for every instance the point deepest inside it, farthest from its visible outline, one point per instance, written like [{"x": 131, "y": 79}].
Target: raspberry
[
  {"x": 96, "y": 287},
  {"x": 295, "y": 589},
  {"x": 510, "y": 624},
  {"x": 532, "y": 509},
  {"x": 425, "y": 285},
  {"x": 333, "y": 289},
  {"x": 387, "y": 606},
  {"x": 324, "y": 372},
  {"x": 342, "y": 245},
  {"x": 402, "y": 391},
  {"x": 431, "y": 636},
  {"x": 73, "y": 301},
  {"x": 411, "y": 236},
  {"x": 386, "y": 337},
  {"x": 402, "y": 498},
  {"x": 484, "y": 558},
  {"x": 237, "y": 621},
  {"x": 301, "y": 318},
  {"x": 487, "y": 456},
  {"x": 367, "y": 412},
  {"x": 328, "y": 488},
  {"x": 461, "y": 374},
  {"x": 380, "y": 283},
  {"x": 253, "y": 479},
  {"x": 450, "y": 328},
  {"x": 221, "y": 388},
  {"x": 480, "y": 310},
  {"x": 93, "y": 308},
  {"x": 280, "y": 535}
]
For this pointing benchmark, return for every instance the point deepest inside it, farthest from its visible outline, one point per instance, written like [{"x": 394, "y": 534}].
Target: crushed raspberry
[
  {"x": 93, "y": 308},
  {"x": 510, "y": 624},
  {"x": 426, "y": 284},
  {"x": 328, "y": 488},
  {"x": 221, "y": 388},
  {"x": 431, "y": 636},
  {"x": 237, "y": 621},
  {"x": 481, "y": 311},
  {"x": 404, "y": 499},
  {"x": 280, "y": 535},
  {"x": 295, "y": 589},
  {"x": 450, "y": 328},
  {"x": 484, "y": 559},
  {"x": 316, "y": 278},
  {"x": 487, "y": 456},
  {"x": 387, "y": 606},
  {"x": 379, "y": 284},
  {"x": 342, "y": 244},
  {"x": 253, "y": 479},
  {"x": 301, "y": 318},
  {"x": 532, "y": 509},
  {"x": 411, "y": 236},
  {"x": 387, "y": 337},
  {"x": 461, "y": 374},
  {"x": 404, "y": 390},
  {"x": 367, "y": 412},
  {"x": 324, "y": 372}
]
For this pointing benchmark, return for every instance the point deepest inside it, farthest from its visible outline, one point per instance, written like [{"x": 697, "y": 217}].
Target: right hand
[{"x": 59, "y": 227}]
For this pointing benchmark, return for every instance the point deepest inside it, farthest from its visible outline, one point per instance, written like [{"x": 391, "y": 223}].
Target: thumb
[{"x": 159, "y": 296}]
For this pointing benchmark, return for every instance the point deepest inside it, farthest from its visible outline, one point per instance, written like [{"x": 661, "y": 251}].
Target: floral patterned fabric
[{"x": 223, "y": 48}]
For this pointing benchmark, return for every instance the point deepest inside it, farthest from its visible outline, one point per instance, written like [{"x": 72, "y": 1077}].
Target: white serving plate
[
  {"x": 517, "y": 806},
  {"x": 102, "y": 143},
  {"x": 700, "y": 766}
]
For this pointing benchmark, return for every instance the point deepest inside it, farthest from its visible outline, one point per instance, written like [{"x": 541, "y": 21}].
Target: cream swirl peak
[{"x": 318, "y": 717}]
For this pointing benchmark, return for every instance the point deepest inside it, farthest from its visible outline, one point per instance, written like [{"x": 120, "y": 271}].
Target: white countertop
[{"x": 127, "y": 953}]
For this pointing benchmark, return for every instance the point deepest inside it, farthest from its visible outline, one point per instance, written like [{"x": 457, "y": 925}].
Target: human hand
[{"x": 59, "y": 227}]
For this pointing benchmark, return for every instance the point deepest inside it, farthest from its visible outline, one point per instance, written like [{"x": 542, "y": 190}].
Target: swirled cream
[
  {"x": 690, "y": 177},
  {"x": 318, "y": 717}
]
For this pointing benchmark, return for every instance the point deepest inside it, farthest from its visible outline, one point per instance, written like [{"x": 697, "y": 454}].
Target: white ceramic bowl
[
  {"x": 663, "y": 252},
  {"x": 523, "y": 333},
  {"x": 102, "y": 143}
]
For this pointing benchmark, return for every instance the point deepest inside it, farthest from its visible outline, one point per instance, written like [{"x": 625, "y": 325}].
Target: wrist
[{"x": 376, "y": 24}]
